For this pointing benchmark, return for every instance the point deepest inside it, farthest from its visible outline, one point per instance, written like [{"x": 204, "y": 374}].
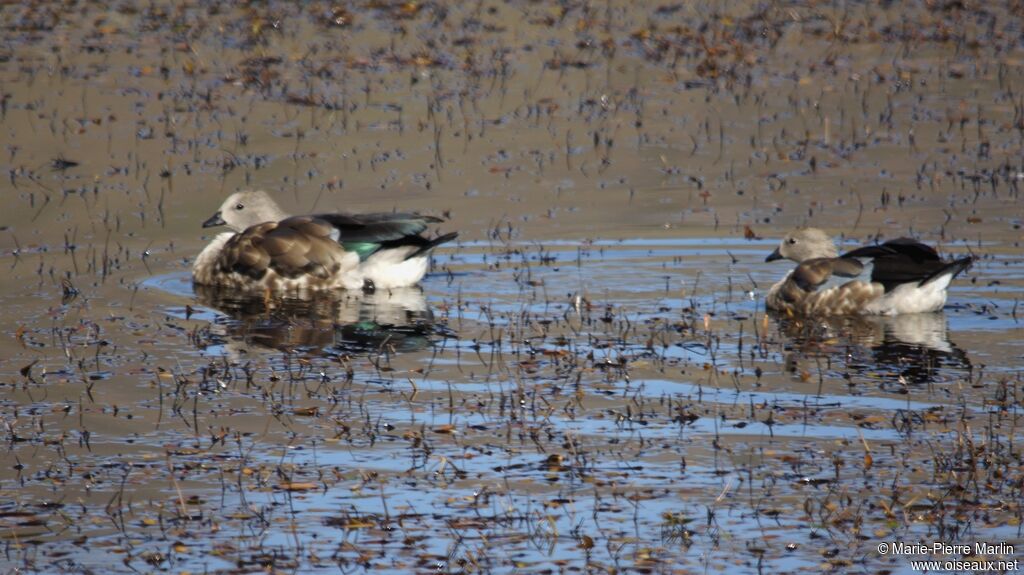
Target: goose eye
[
  {"x": 792, "y": 241},
  {"x": 239, "y": 206}
]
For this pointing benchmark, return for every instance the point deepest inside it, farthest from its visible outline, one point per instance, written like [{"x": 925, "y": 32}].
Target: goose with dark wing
[
  {"x": 270, "y": 250},
  {"x": 899, "y": 276}
]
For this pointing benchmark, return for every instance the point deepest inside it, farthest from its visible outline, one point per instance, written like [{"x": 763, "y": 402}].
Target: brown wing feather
[
  {"x": 283, "y": 241},
  {"x": 308, "y": 226},
  {"x": 813, "y": 273},
  {"x": 846, "y": 267},
  {"x": 290, "y": 248}
]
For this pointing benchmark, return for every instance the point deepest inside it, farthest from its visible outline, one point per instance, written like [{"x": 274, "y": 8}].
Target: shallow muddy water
[{"x": 587, "y": 380}]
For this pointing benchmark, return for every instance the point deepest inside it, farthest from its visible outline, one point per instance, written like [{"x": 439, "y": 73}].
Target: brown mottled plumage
[
  {"x": 849, "y": 298},
  {"x": 296, "y": 247}
]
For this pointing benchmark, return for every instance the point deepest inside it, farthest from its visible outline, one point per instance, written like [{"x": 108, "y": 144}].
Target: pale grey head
[
  {"x": 803, "y": 244},
  {"x": 244, "y": 209}
]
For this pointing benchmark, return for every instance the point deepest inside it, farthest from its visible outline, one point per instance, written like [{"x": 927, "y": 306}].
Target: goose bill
[{"x": 214, "y": 220}]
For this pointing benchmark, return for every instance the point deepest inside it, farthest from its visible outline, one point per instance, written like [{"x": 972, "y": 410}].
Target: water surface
[{"x": 587, "y": 380}]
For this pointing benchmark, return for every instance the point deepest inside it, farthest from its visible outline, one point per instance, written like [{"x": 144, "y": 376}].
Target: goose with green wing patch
[{"x": 268, "y": 249}]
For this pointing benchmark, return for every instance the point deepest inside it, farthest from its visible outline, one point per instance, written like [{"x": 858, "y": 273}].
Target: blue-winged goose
[
  {"x": 897, "y": 277},
  {"x": 268, "y": 249}
]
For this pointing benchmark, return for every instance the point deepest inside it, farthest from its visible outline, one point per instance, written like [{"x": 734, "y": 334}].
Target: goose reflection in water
[
  {"x": 334, "y": 322},
  {"x": 912, "y": 349}
]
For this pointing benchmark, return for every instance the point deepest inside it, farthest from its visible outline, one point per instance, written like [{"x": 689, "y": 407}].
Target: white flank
[
  {"x": 388, "y": 269},
  {"x": 912, "y": 298}
]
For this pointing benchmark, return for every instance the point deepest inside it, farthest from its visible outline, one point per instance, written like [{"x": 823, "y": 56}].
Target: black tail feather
[
  {"x": 951, "y": 269},
  {"x": 431, "y": 243}
]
